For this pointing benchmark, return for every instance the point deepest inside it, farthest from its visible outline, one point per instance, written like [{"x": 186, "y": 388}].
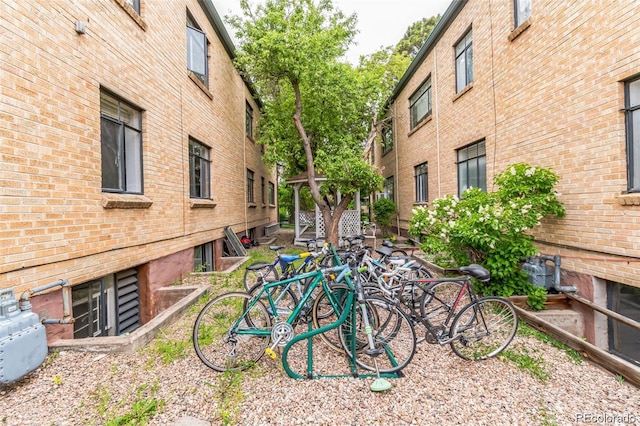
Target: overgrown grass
[
  {"x": 524, "y": 361},
  {"x": 526, "y": 330},
  {"x": 136, "y": 409},
  {"x": 229, "y": 391}
]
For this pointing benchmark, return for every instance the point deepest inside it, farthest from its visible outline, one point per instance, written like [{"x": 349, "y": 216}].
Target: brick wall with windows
[
  {"x": 550, "y": 91},
  {"x": 71, "y": 211}
]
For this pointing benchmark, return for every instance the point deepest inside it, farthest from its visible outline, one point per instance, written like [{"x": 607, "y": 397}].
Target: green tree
[
  {"x": 416, "y": 35},
  {"x": 320, "y": 114}
]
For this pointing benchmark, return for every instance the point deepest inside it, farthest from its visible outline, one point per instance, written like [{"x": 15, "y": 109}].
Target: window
[
  {"x": 388, "y": 189},
  {"x": 135, "y": 4},
  {"x": 623, "y": 339},
  {"x": 250, "y": 198},
  {"x": 472, "y": 167},
  {"x": 420, "y": 103},
  {"x": 422, "y": 182},
  {"x": 121, "y": 145},
  {"x": 522, "y": 11},
  {"x": 272, "y": 194},
  {"x": 632, "y": 118},
  {"x": 464, "y": 62},
  {"x": 197, "y": 51},
  {"x": 249, "y": 121},
  {"x": 387, "y": 137},
  {"x": 89, "y": 310},
  {"x": 199, "y": 170},
  {"x": 109, "y": 306},
  {"x": 203, "y": 257},
  {"x": 262, "y": 188}
]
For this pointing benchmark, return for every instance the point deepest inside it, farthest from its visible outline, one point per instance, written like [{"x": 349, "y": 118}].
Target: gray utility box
[
  {"x": 539, "y": 272},
  {"x": 23, "y": 340}
]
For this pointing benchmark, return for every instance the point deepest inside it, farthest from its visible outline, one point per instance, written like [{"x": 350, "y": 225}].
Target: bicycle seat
[
  {"x": 476, "y": 271},
  {"x": 289, "y": 257},
  {"x": 276, "y": 248},
  {"x": 387, "y": 243},
  {"x": 384, "y": 251},
  {"x": 257, "y": 266}
]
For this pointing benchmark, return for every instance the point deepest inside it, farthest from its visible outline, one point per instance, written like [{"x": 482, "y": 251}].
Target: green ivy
[{"x": 492, "y": 228}]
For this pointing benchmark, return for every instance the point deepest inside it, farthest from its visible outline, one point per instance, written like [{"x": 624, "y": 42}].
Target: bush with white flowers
[{"x": 491, "y": 228}]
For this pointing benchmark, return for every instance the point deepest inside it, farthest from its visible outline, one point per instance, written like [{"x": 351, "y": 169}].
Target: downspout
[
  {"x": 435, "y": 116},
  {"x": 396, "y": 178},
  {"x": 244, "y": 161}
]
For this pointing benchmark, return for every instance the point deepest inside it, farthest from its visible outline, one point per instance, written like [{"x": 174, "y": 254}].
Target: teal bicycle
[{"x": 234, "y": 330}]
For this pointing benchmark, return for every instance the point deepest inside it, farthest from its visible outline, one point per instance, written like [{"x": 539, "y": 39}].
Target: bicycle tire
[
  {"x": 267, "y": 273},
  {"x": 285, "y": 304},
  {"x": 214, "y": 341},
  {"x": 324, "y": 314},
  {"x": 437, "y": 305},
  {"x": 398, "y": 252},
  {"x": 392, "y": 333},
  {"x": 484, "y": 328}
]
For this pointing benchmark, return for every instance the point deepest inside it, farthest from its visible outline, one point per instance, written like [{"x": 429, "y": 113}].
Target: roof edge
[{"x": 445, "y": 22}]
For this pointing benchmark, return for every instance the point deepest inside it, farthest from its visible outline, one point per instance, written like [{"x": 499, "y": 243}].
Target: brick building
[
  {"x": 551, "y": 84},
  {"x": 127, "y": 146}
]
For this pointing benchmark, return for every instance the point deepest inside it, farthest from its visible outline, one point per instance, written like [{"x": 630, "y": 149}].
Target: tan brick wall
[
  {"x": 52, "y": 220},
  {"x": 551, "y": 97}
]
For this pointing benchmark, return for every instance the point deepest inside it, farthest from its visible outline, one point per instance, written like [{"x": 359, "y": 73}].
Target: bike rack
[{"x": 351, "y": 340}]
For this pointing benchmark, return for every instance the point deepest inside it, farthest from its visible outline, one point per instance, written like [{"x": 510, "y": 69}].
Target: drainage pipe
[
  {"x": 556, "y": 276},
  {"x": 25, "y": 304}
]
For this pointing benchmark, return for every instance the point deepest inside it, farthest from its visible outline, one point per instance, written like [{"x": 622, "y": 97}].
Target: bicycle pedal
[
  {"x": 272, "y": 354},
  {"x": 373, "y": 352}
]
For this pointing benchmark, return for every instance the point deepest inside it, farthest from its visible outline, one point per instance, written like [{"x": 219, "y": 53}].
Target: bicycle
[
  {"x": 282, "y": 266},
  {"x": 475, "y": 327},
  {"x": 234, "y": 330}
]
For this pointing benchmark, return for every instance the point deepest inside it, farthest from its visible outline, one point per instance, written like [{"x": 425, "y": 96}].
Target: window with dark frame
[
  {"x": 521, "y": 11},
  {"x": 422, "y": 183},
  {"x": 199, "y": 170},
  {"x": 387, "y": 137},
  {"x": 203, "y": 257},
  {"x": 472, "y": 167},
  {"x": 109, "y": 306},
  {"x": 250, "y": 197},
  {"x": 197, "y": 51},
  {"x": 249, "y": 121},
  {"x": 624, "y": 340},
  {"x": 263, "y": 199},
  {"x": 272, "y": 194},
  {"x": 389, "y": 188},
  {"x": 632, "y": 124},
  {"x": 121, "y": 145},
  {"x": 464, "y": 62},
  {"x": 420, "y": 103}
]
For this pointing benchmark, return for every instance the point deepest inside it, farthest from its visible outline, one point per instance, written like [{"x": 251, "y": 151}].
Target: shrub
[
  {"x": 491, "y": 228},
  {"x": 383, "y": 211}
]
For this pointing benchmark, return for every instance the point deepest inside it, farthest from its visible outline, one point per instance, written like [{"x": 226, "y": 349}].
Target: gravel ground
[{"x": 166, "y": 384}]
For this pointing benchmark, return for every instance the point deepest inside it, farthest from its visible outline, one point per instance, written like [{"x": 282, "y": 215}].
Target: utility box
[
  {"x": 23, "y": 339},
  {"x": 539, "y": 272}
]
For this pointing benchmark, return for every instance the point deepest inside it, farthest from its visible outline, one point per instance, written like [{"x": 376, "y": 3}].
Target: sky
[{"x": 380, "y": 22}]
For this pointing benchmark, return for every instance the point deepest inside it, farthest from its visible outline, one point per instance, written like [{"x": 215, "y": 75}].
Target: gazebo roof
[{"x": 304, "y": 178}]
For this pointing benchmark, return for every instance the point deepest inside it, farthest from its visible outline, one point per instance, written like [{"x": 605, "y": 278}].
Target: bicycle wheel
[
  {"x": 283, "y": 298},
  {"x": 398, "y": 252},
  {"x": 258, "y": 273},
  {"x": 393, "y": 336},
  {"x": 484, "y": 329},
  {"x": 324, "y": 313},
  {"x": 222, "y": 333},
  {"x": 438, "y": 305}
]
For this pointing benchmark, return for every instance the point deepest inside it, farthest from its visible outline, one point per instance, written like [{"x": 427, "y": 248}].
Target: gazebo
[{"x": 305, "y": 220}]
